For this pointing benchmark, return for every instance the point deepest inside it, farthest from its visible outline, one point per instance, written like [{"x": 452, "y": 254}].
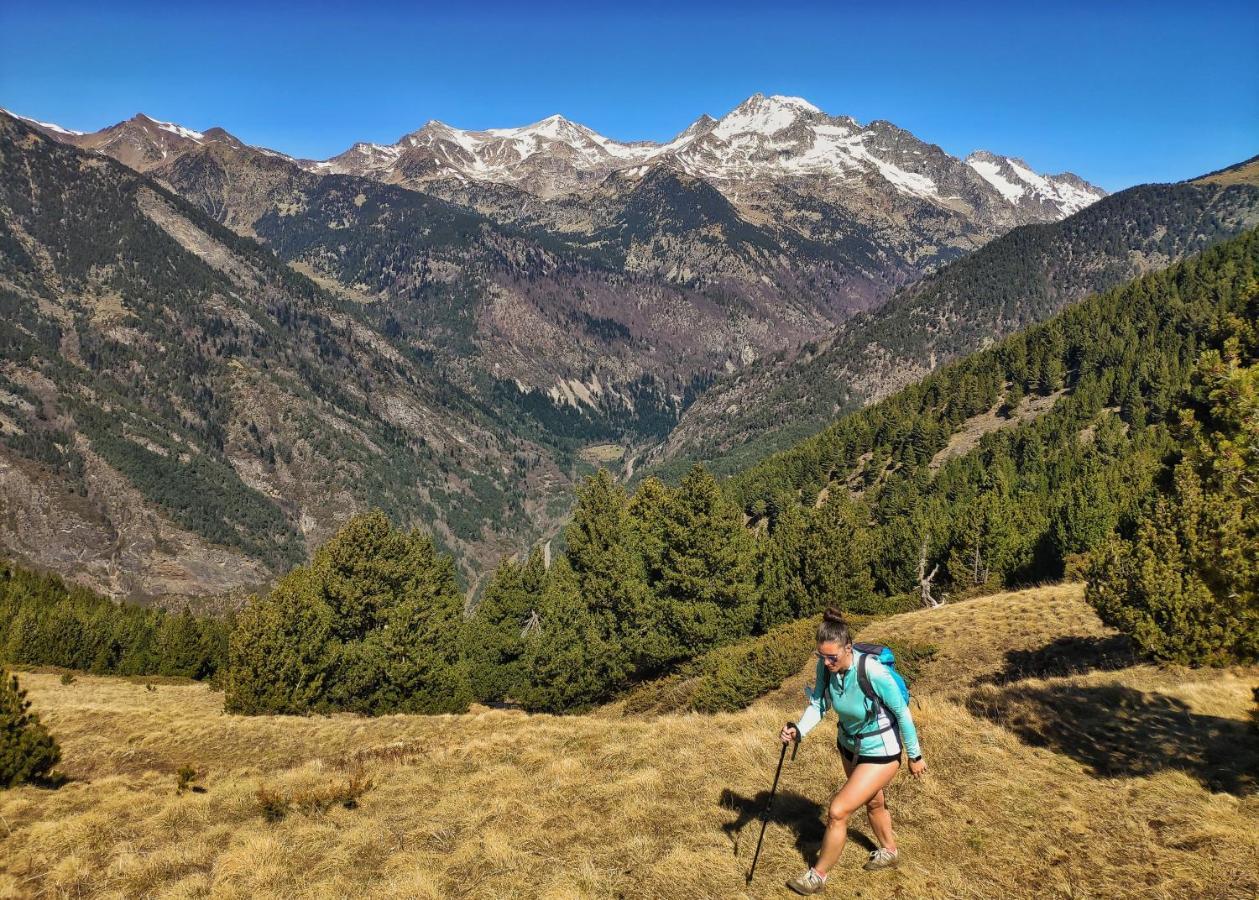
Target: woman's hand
[
  {"x": 918, "y": 769},
  {"x": 789, "y": 734}
]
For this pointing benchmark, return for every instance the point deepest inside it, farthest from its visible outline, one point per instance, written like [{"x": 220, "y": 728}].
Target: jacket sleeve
[
  {"x": 890, "y": 693},
  {"x": 819, "y": 702}
]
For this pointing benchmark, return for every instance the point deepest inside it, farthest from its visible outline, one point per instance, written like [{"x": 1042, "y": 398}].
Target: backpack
[{"x": 884, "y": 655}]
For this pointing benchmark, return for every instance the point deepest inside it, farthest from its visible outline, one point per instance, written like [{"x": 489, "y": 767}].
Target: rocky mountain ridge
[{"x": 763, "y": 138}]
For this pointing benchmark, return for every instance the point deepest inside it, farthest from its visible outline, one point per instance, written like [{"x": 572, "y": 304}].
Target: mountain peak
[
  {"x": 776, "y": 101},
  {"x": 764, "y": 115},
  {"x": 555, "y": 127},
  {"x": 144, "y": 120}
]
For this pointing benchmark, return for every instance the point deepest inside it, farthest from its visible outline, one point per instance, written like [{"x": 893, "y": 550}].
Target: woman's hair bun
[{"x": 832, "y": 615}]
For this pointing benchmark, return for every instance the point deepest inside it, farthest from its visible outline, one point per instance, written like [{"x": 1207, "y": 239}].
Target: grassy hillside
[
  {"x": 1245, "y": 172},
  {"x": 1104, "y": 782}
]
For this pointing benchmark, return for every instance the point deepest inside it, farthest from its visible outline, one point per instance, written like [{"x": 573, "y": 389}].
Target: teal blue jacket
[{"x": 863, "y": 726}]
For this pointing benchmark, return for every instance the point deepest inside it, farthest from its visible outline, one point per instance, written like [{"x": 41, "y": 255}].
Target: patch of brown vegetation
[{"x": 967, "y": 438}]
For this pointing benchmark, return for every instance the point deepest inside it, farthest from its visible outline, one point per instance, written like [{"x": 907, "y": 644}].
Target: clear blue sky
[{"x": 1119, "y": 93}]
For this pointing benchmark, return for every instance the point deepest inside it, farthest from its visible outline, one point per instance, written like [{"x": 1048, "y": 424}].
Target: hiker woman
[{"x": 871, "y": 736}]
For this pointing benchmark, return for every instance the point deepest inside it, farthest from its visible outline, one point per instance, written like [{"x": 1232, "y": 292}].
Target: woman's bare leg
[
  {"x": 864, "y": 783},
  {"x": 876, "y": 811}
]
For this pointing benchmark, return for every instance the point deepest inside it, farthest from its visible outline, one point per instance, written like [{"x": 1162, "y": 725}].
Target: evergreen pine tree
[
  {"x": 783, "y": 594},
  {"x": 494, "y": 636},
  {"x": 568, "y": 662},
  {"x": 708, "y": 567},
  {"x": 373, "y": 624},
  {"x": 1187, "y": 586},
  {"x": 984, "y": 551},
  {"x": 27, "y": 751},
  {"x": 602, "y": 549},
  {"x": 837, "y": 557}
]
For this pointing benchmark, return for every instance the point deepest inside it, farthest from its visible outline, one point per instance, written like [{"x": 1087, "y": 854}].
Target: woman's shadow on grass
[{"x": 802, "y": 815}]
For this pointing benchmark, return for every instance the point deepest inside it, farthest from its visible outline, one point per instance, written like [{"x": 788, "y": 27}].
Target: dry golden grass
[{"x": 502, "y": 804}]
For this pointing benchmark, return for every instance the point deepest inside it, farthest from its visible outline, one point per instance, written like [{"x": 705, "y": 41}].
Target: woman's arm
[
  {"x": 819, "y": 702},
  {"x": 890, "y": 693}
]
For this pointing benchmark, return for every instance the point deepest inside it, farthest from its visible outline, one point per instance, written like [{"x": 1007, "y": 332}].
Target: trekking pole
[{"x": 768, "y": 804}]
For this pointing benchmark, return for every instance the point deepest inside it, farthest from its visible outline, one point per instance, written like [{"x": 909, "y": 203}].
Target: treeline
[
  {"x": 45, "y": 622},
  {"x": 858, "y": 517}
]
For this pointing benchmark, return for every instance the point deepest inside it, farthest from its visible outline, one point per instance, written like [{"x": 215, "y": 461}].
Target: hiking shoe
[
  {"x": 882, "y": 858},
  {"x": 808, "y": 883}
]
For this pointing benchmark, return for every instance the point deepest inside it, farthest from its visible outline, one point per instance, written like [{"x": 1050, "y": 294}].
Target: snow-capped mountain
[
  {"x": 762, "y": 148},
  {"x": 762, "y": 142},
  {"x": 1017, "y": 183},
  {"x": 547, "y": 158}
]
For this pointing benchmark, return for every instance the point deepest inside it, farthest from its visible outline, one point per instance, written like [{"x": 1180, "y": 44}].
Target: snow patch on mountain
[
  {"x": 46, "y": 125},
  {"x": 1066, "y": 196},
  {"x": 990, "y": 171},
  {"x": 175, "y": 129},
  {"x": 1017, "y": 182}
]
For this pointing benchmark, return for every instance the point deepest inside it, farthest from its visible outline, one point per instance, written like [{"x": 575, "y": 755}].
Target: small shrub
[
  {"x": 27, "y": 751},
  {"x": 67, "y": 678},
  {"x": 667, "y": 694},
  {"x": 184, "y": 781},
  {"x": 275, "y": 805},
  {"x": 1075, "y": 566},
  {"x": 911, "y": 659},
  {"x": 151, "y": 688},
  {"x": 316, "y": 801}
]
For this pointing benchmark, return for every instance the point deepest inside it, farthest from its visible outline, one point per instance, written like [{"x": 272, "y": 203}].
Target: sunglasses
[{"x": 831, "y": 658}]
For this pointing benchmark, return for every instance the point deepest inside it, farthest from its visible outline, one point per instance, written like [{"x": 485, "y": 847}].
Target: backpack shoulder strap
[
  {"x": 872, "y": 705},
  {"x": 863, "y": 679},
  {"x": 867, "y": 688}
]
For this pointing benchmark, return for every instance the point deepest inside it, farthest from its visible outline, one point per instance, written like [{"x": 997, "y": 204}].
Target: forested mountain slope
[
  {"x": 181, "y": 414},
  {"x": 1016, "y": 280},
  {"x": 1091, "y": 401}
]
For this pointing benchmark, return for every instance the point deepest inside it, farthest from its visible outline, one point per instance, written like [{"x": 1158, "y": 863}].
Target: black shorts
[{"x": 878, "y": 760}]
